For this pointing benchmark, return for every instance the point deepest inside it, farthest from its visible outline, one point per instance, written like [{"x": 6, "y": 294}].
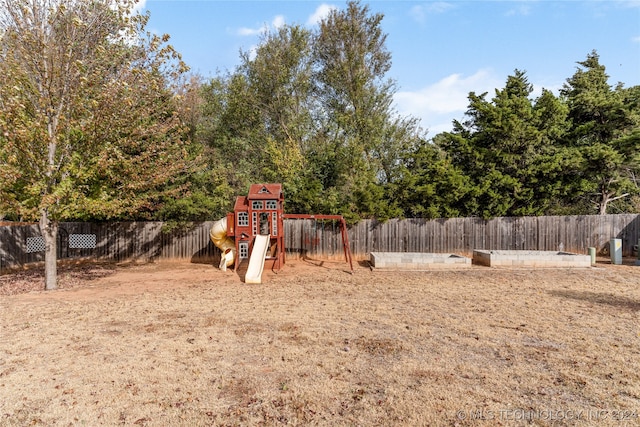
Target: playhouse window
[
  {"x": 272, "y": 204},
  {"x": 243, "y": 249},
  {"x": 243, "y": 219},
  {"x": 257, "y": 204}
]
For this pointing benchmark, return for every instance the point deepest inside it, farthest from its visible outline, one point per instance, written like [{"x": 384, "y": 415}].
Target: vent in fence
[
  {"x": 35, "y": 244},
  {"x": 82, "y": 241}
]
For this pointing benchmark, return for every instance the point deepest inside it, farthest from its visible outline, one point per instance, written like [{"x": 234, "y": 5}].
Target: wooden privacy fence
[
  {"x": 463, "y": 235},
  {"x": 146, "y": 241}
]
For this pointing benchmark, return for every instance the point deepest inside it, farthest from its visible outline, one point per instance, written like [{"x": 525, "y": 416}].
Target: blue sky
[{"x": 441, "y": 50}]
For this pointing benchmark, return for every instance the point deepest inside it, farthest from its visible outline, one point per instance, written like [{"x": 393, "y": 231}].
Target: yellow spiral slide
[{"x": 226, "y": 244}]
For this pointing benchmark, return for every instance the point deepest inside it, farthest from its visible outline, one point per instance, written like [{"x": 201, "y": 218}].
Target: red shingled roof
[{"x": 265, "y": 191}]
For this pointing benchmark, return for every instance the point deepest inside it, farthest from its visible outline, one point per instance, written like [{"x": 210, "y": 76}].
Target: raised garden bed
[
  {"x": 530, "y": 259},
  {"x": 417, "y": 260}
]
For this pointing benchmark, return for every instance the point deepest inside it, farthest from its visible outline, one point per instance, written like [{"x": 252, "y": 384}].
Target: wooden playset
[{"x": 254, "y": 231}]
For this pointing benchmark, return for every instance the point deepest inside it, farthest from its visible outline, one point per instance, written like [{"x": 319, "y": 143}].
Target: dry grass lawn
[{"x": 178, "y": 344}]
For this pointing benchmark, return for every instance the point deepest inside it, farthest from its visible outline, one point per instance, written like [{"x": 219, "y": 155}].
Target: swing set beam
[{"x": 343, "y": 230}]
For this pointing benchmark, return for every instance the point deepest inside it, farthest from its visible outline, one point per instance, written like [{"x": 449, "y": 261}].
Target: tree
[
  {"x": 256, "y": 119},
  {"x": 279, "y": 78},
  {"x": 361, "y": 134},
  {"x": 507, "y": 147},
  {"x": 292, "y": 113},
  {"x": 205, "y": 191},
  {"x": 227, "y": 127},
  {"x": 430, "y": 186},
  {"x": 604, "y": 130},
  {"x": 88, "y": 120}
]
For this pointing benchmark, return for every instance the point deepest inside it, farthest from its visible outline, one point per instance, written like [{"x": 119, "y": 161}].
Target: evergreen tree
[
  {"x": 604, "y": 130},
  {"x": 507, "y": 148},
  {"x": 431, "y": 186}
]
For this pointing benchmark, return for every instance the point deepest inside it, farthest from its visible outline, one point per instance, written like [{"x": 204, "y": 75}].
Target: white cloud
[
  {"x": 321, "y": 12},
  {"x": 437, "y": 105},
  {"x": 277, "y": 22},
  {"x": 245, "y": 31},
  {"x": 134, "y": 8},
  {"x": 522, "y": 9},
  {"x": 635, "y": 39},
  {"x": 629, "y": 3},
  {"x": 420, "y": 12},
  {"x": 139, "y": 6}
]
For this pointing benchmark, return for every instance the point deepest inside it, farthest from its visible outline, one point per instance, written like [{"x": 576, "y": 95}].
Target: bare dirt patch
[{"x": 186, "y": 344}]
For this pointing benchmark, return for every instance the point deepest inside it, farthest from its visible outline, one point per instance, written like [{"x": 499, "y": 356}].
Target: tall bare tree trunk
[{"x": 49, "y": 230}]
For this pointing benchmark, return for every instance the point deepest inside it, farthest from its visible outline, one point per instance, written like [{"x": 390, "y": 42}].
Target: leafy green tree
[
  {"x": 257, "y": 120},
  {"x": 279, "y": 78},
  {"x": 88, "y": 120},
  {"x": 204, "y": 187},
  {"x": 604, "y": 129},
  {"x": 289, "y": 114},
  {"x": 228, "y": 127},
  {"x": 555, "y": 176},
  {"x": 358, "y": 123}
]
